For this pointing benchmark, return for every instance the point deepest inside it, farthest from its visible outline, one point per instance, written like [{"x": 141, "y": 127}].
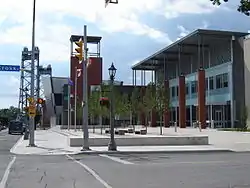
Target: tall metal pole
[
  {"x": 32, "y": 82},
  {"x": 85, "y": 93},
  {"x": 68, "y": 107},
  {"x": 112, "y": 144},
  {"x": 75, "y": 96}
]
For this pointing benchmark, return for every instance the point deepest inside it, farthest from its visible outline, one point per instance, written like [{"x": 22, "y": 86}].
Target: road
[
  {"x": 196, "y": 170},
  {"x": 6, "y": 143}
]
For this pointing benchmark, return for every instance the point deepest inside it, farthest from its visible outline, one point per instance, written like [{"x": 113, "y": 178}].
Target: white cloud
[
  {"x": 9, "y": 95},
  {"x": 124, "y": 17},
  {"x": 52, "y": 32},
  {"x": 184, "y": 31},
  {"x": 174, "y": 8}
]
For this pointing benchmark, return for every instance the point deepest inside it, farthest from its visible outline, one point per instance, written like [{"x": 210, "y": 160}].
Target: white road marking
[
  {"x": 116, "y": 159},
  {"x": 196, "y": 163},
  {"x": 14, "y": 147},
  {"x": 92, "y": 172},
  {"x": 6, "y": 173}
]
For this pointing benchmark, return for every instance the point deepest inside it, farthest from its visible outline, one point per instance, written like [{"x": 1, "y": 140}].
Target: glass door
[{"x": 218, "y": 119}]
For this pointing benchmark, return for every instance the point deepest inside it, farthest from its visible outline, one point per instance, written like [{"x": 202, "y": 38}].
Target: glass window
[
  {"x": 225, "y": 79},
  {"x": 193, "y": 86},
  {"x": 211, "y": 83},
  {"x": 173, "y": 91},
  {"x": 207, "y": 84},
  {"x": 177, "y": 91},
  {"x": 218, "y": 81},
  {"x": 187, "y": 89}
]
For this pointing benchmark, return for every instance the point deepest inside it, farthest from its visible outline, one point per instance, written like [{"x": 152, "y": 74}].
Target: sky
[{"x": 131, "y": 31}]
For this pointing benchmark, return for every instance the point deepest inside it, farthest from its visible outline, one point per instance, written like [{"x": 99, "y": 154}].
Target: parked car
[{"x": 16, "y": 127}]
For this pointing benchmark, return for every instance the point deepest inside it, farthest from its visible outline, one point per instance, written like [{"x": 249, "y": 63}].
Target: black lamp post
[{"x": 112, "y": 144}]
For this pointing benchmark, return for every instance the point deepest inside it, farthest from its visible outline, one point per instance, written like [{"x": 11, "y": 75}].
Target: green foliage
[
  {"x": 149, "y": 99},
  {"x": 135, "y": 100},
  {"x": 243, "y": 118},
  {"x": 8, "y": 114},
  {"x": 79, "y": 110},
  {"x": 162, "y": 97},
  {"x": 243, "y": 7}
]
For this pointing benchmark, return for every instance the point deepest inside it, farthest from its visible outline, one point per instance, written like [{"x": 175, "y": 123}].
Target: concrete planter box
[{"x": 142, "y": 141}]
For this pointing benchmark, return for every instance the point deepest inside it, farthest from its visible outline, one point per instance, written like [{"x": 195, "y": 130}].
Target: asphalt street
[
  {"x": 6, "y": 143},
  {"x": 196, "y": 170}
]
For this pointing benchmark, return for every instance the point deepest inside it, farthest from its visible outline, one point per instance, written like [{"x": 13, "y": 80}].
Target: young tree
[
  {"x": 162, "y": 100},
  {"x": 244, "y": 5},
  {"x": 243, "y": 118},
  {"x": 79, "y": 111},
  {"x": 149, "y": 100},
  {"x": 134, "y": 103},
  {"x": 94, "y": 106}
]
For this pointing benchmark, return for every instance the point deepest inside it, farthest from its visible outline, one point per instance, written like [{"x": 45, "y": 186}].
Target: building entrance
[{"x": 218, "y": 119}]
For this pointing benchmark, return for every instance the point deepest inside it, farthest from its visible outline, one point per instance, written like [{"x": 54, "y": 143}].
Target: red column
[
  {"x": 202, "y": 98},
  {"x": 182, "y": 102},
  {"x": 167, "y": 112},
  {"x": 153, "y": 118}
]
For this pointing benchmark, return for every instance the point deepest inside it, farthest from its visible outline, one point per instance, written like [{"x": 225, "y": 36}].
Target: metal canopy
[
  {"x": 186, "y": 46},
  {"x": 90, "y": 39}
]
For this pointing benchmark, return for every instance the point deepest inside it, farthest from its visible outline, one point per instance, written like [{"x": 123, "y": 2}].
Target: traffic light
[
  {"x": 79, "y": 50},
  {"x": 40, "y": 101},
  {"x": 104, "y": 102}
]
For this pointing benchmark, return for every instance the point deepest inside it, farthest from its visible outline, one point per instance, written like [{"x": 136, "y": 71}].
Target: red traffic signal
[
  {"x": 104, "y": 101},
  {"x": 40, "y": 101}
]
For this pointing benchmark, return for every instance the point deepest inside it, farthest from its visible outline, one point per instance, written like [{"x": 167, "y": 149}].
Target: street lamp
[{"x": 112, "y": 144}]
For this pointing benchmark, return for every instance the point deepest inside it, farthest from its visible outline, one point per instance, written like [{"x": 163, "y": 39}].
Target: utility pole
[
  {"x": 85, "y": 93},
  {"x": 75, "y": 95},
  {"x": 68, "y": 106},
  {"x": 32, "y": 82}
]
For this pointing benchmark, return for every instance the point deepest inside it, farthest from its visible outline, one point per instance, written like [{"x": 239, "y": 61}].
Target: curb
[
  {"x": 153, "y": 152},
  {"x": 15, "y": 145}
]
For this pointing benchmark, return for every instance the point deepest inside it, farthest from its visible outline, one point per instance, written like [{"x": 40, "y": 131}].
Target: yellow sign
[
  {"x": 31, "y": 100},
  {"x": 32, "y": 110}
]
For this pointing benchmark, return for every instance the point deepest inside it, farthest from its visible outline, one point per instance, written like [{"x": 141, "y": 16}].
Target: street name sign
[{"x": 10, "y": 68}]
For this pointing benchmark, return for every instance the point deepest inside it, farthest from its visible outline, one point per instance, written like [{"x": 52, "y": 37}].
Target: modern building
[
  {"x": 207, "y": 74},
  {"x": 53, "y": 88}
]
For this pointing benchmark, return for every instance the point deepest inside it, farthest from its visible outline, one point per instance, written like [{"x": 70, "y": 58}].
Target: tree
[
  {"x": 243, "y": 118},
  {"x": 8, "y": 114},
  {"x": 162, "y": 100},
  {"x": 243, "y": 7},
  {"x": 134, "y": 102},
  {"x": 79, "y": 111},
  {"x": 94, "y": 105},
  {"x": 149, "y": 99}
]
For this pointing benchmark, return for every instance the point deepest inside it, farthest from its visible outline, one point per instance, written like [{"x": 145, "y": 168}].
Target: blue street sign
[
  {"x": 70, "y": 82},
  {"x": 10, "y": 68}
]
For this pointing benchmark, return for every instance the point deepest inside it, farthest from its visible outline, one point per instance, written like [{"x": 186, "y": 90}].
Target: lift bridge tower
[{"x": 25, "y": 78}]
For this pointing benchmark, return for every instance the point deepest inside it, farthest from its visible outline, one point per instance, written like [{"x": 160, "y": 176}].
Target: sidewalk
[{"x": 55, "y": 142}]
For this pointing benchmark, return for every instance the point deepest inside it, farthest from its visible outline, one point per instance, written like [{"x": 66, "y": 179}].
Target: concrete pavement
[{"x": 50, "y": 142}]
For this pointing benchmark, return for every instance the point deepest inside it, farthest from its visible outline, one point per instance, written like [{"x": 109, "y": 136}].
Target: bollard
[
  {"x": 26, "y": 134},
  {"x": 212, "y": 124},
  {"x": 175, "y": 126},
  {"x": 200, "y": 126}
]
